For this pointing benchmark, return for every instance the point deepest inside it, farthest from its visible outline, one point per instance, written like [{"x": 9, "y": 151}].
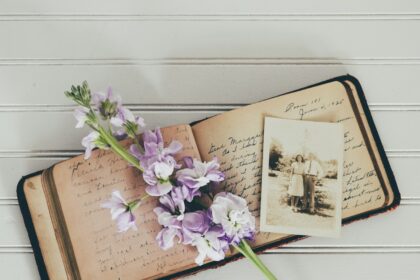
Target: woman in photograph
[{"x": 296, "y": 182}]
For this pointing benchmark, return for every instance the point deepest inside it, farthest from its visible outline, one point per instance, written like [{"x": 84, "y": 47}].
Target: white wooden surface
[{"x": 178, "y": 61}]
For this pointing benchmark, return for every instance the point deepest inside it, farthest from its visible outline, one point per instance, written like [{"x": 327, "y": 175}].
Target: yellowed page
[
  {"x": 100, "y": 251},
  {"x": 41, "y": 220},
  {"x": 236, "y": 138},
  {"x": 375, "y": 150}
]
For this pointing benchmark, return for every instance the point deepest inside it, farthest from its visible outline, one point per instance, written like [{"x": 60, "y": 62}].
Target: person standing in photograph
[
  {"x": 296, "y": 187},
  {"x": 313, "y": 172}
]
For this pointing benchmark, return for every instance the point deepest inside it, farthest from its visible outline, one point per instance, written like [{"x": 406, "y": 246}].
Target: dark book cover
[{"x": 383, "y": 158}]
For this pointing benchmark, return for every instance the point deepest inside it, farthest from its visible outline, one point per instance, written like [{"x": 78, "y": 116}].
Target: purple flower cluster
[
  {"x": 182, "y": 213},
  {"x": 162, "y": 173},
  {"x": 211, "y": 231},
  {"x": 109, "y": 108},
  {"x": 158, "y": 163}
]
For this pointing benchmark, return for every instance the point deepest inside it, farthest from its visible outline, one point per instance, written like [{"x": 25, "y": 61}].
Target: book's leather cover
[
  {"x": 383, "y": 158},
  {"x": 27, "y": 219}
]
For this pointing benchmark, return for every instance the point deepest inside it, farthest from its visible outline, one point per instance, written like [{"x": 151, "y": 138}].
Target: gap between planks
[
  {"x": 184, "y": 107},
  {"x": 215, "y": 17},
  {"x": 289, "y": 249},
  {"x": 221, "y": 61}
]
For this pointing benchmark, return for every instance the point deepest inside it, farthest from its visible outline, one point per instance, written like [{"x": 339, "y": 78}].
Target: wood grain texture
[
  {"x": 40, "y": 84},
  {"x": 175, "y": 62},
  {"x": 218, "y": 7},
  {"x": 204, "y": 39},
  {"x": 287, "y": 266}
]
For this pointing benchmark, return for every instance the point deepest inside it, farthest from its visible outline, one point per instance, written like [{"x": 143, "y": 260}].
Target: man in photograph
[{"x": 313, "y": 172}]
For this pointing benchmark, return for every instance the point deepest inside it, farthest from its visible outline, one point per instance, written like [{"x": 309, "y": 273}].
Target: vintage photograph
[{"x": 302, "y": 177}]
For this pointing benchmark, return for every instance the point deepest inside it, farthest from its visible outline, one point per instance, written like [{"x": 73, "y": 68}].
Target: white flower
[
  {"x": 121, "y": 211},
  {"x": 232, "y": 213},
  {"x": 157, "y": 177},
  {"x": 89, "y": 143},
  {"x": 80, "y": 114},
  {"x": 210, "y": 245},
  {"x": 198, "y": 173}
]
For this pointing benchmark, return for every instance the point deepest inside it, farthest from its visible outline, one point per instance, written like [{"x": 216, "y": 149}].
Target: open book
[{"x": 74, "y": 238}]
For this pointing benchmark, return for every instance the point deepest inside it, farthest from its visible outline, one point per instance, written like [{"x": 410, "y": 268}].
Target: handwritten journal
[{"x": 73, "y": 237}]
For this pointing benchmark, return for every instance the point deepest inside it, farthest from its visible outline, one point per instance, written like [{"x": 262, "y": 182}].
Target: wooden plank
[
  {"x": 199, "y": 84},
  {"x": 285, "y": 266},
  {"x": 184, "y": 7},
  {"x": 12, "y": 169},
  {"x": 320, "y": 266},
  {"x": 13, "y": 231},
  {"x": 376, "y": 231},
  {"x": 19, "y": 266},
  {"x": 55, "y": 130},
  {"x": 209, "y": 39},
  {"x": 406, "y": 173}
]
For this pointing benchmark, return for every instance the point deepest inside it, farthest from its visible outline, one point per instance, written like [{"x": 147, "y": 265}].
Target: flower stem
[
  {"x": 247, "y": 251},
  {"x": 133, "y": 205},
  {"x": 136, "y": 141},
  {"x": 118, "y": 149}
]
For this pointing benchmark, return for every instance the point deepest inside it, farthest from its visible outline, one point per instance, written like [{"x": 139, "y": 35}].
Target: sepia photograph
[{"x": 302, "y": 177}]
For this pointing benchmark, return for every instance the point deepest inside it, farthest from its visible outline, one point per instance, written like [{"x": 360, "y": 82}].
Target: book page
[
  {"x": 101, "y": 252},
  {"x": 236, "y": 138},
  {"x": 41, "y": 220},
  {"x": 375, "y": 152}
]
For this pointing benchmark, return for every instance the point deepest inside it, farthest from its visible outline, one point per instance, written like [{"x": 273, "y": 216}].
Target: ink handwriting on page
[
  {"x": 99, "y": 249},
  {"x": 241, "y": 156},
  {"x": 241, "y": 163}
]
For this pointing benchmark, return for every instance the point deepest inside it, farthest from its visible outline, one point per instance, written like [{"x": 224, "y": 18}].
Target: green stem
[
  {"x": 136, "y": 203},
  {"x": 247, "y": 251},
  {"x": 118, "y": 149},
  {"x": 136, "y": 141}
]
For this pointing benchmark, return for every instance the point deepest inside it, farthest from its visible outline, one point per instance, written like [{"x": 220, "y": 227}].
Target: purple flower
[
  {"x": 154, "y": 149},
  {"x": 107, "y": 104},
  {"x": 165, "y": 237},
  {"x": 127, "y": 122},
  {"x": 135, "y": 151},
  {"x": 170, "y": 213},
  {"x": 195, "y": 224},
  {"x": 89, "y": 142},
  {"x": 178, "y": 194},
  {"x": 121, "y": 211},
  {"x": 232, "y": 213},
  {"x": 210, "y": 244},
  {"x": 122, "y": 116},
  {"x": 193, "y": 228},
  {"x": 186, "y": 193},
  {"x": 169, "y": 205},
  {"x": 197, "y": 230},
  {"x": 99, "y": 97},
  {"x": 110, "y": 107},
  {"x": 157, "y": 162},
  {"x": 198, "y": 174},
  {"x": 157, "y": 176},
  {"x": 80, "y": 114}
]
